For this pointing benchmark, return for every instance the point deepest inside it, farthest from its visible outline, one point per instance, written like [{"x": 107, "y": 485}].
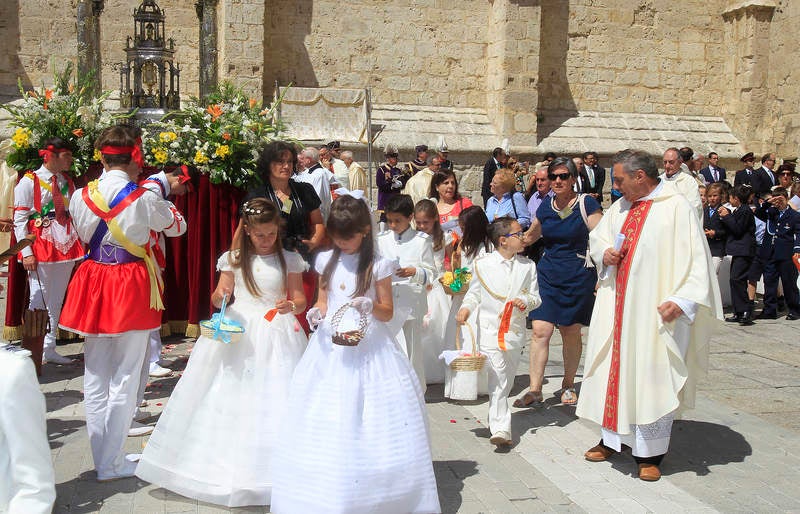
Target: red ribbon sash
[
  {"x": 505, "y": 324},
  {"x": 631, "y": 229}
]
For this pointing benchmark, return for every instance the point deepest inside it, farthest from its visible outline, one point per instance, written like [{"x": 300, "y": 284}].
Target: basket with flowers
[{"x": 456, "y": 282}]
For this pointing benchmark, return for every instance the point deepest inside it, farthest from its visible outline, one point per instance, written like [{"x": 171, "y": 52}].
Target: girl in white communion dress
[
  {"x": 355, "y": 436},
  {"x": 215, "y": 439}
]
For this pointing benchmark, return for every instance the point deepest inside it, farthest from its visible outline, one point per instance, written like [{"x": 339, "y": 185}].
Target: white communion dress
[
  {"x": 355, "y": 436},
  {"x": 214, "y": 441}
]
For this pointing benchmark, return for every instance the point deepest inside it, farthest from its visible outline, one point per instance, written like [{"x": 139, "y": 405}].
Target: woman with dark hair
[
  {"x": 566, "y": 278},
  {"x": 304, "y": 230},
  {"x": 444, "y": 190}
]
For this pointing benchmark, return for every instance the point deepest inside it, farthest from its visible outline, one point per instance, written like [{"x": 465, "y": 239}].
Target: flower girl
[
  {"x": 355, "y": 435},
  {"x": 215, "y": 439}
]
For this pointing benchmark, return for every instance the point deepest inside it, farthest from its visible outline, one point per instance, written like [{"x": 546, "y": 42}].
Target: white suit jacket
[
  {"x": 27, "y": 480},
  {"x": 411, "y": 248},
  {"x": 496, "y": 281}
]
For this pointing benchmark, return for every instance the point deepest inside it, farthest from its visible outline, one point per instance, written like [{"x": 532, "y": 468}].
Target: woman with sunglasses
[{"x": 566, "y": 282}]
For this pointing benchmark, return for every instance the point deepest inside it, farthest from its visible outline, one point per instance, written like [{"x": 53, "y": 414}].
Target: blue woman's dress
[{"x": 566, "y": 285}]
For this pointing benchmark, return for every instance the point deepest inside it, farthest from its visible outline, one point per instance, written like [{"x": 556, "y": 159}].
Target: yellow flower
[
  {"x": 448, "y": 277},
  {"x": 200, "y": 157},
  {"x": 167, "y": 137},
  {"x": 222, "y": 151},
  {"x": 21, "y": 137},
  {"x": 160, "y": 155},
  {"x": 97, "y": 155}
]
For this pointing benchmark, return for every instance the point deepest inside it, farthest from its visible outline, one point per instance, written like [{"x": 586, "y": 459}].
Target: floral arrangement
[
  {"x": 221, "y": 136},
  {"x": 70, "y": 110},
  {"x": 457, "y": 279}
]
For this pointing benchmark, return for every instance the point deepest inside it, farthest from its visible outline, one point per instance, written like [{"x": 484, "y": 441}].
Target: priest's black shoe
[
  {"x": 746, "y": 320},
  {"x": 792, "y": 317},
  {"x": 736, "y": 318},
  {"x": 764, "y": 315}
]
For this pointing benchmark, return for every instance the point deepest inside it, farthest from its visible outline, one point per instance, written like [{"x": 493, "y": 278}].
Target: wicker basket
[
  {"x": 209, "y": 333},
  {"x": 472, "y": 362},
  {"x": 350, "y": 337},
  {"x": 450, "y": 292}
]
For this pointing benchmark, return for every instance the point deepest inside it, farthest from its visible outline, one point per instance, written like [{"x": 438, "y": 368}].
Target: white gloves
[
  {"x": 314, "y": 317},
  {"x": 362, "y": 304}
]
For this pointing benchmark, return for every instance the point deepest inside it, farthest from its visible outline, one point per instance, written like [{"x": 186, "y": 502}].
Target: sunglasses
[
  {"x": 562, "y": 176},
  {"x": 518, "y": 235}
]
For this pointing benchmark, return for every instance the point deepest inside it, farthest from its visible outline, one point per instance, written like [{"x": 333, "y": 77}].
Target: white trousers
[
  {"x": 502, "y": 370},
  {"x": 49, "y": 289},
  {"x": 153, "y": 355},
  {"x": 412, "y": 331},
  {"x": 110, "y": 383}
]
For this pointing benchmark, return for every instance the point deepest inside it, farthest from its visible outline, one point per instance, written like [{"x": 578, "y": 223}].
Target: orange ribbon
[
  {"x": 505, "y": 324},
  {"x": 270, "y": 315}
]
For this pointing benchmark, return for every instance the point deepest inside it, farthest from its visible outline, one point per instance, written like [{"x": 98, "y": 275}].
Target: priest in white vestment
[
  {"x": 657, "y": 305},
  {"x": 675, "y": 171},
  {"x": 418, "y": 187}
]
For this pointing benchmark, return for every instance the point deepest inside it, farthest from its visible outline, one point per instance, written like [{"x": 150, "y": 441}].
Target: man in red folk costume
[
  {"x": 114, "y": 299},
  {"x": 648, "y": 338},
  {"x": 41, "y": 203}
]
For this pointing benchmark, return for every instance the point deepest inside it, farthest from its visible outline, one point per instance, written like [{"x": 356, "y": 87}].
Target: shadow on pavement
[
  {"x": 695, "y": 446},
  {"x": 450, "y": 475},
  {"x": 698, "y": 445},
  {"x": 60, "y": 429},
  {"x": 92, "y": 493}
]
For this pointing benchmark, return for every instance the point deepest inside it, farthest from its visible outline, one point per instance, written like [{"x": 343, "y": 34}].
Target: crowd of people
[{"x": 334, "y": 318}]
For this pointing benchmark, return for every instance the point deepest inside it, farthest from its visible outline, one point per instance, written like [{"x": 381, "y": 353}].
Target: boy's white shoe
[
  {"x": 158, "y": 372},
  {"x": 138, "y": 430},
  {"x": 53, "y": 357},
  {"x": 501, "y": 438}
]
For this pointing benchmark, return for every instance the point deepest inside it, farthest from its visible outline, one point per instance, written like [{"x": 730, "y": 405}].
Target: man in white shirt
[
  {"x": 683, "y": 181},
  {"x": 312, "y": 172}
]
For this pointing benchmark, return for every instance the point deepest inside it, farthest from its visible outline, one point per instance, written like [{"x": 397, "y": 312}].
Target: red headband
[
  {"x": 47, "y": 153},
  {"x": 134, "y": 151},
  {"x": 184, "y": 178}
]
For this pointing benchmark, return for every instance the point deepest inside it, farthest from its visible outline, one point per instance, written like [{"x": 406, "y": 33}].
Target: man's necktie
[
  {"x": 58, "y": 203},
  {"x": 716, "y": 174}
]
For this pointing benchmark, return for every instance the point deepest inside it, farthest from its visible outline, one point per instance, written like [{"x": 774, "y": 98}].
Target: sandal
[
  {"x": 528, "y": 399},
  {"x": 569, "y": 396}
]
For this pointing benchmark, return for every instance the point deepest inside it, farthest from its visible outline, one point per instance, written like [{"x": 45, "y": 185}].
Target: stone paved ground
[{"x": 737, "y": 452}]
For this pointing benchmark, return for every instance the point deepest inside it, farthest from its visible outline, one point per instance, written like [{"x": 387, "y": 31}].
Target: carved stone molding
[{"x": 736, "y": 7}]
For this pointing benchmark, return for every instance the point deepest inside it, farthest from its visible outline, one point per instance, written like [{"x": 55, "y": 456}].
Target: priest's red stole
[{"x": 631, "y": 229}]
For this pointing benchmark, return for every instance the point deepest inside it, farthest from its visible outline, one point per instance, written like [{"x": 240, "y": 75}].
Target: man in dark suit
[
  {"x": 713, "y": 173},
  {"x": 766, "y": 174},
  {"x": 741, "y": 246},
  {"x": 497, "y": 161},
  {"x": 781, "y": 243},
  {"x": 594, "y": 175},
  {"x": 748, "y": 175}
]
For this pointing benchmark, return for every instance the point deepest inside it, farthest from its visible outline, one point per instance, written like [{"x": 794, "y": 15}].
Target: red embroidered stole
[{"x": 631, "y": 229}]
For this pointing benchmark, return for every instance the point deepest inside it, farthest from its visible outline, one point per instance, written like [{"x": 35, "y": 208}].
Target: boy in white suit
[
  {"x": 413, "y": 252},
  {"x": 504, "y": 285}
]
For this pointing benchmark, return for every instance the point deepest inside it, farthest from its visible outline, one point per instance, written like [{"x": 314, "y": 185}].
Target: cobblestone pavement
[{"x": 737, "y": 452}]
